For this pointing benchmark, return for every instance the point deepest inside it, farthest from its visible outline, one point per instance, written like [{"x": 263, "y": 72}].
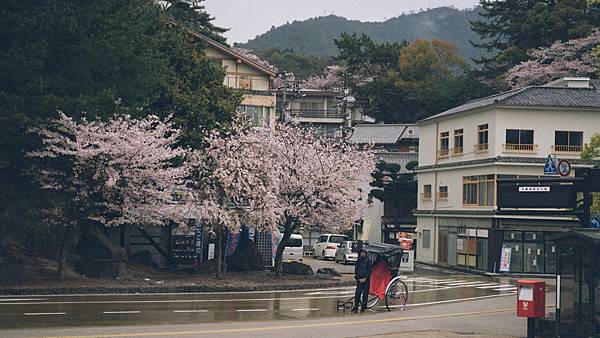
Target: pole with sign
[{"x": 550, "y": 167}]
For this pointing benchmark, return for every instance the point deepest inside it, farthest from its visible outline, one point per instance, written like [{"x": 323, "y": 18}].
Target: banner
[{"x": 505, "y": 259}]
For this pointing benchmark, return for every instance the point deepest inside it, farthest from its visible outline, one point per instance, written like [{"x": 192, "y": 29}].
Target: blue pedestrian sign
[{"x": 550, "y": 166}]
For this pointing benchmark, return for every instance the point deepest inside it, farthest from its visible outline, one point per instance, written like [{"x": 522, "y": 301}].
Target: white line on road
[
  {"x": 20, "y": 299},
  {"x": 190, "y": 311},
  {"x": 252, "y": 310},
  {"x": 310, "y": 309},
  {"x": 493, "y": 286},
  {"x": 45, "y": 313},
  {"x": 120, "y": 312},
  {"x": 466, "y": 284},
  {"x": 506, "y": 289}
]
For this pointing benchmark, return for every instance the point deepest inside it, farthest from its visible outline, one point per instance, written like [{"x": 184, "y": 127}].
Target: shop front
[{"x": 578, "y": 280}]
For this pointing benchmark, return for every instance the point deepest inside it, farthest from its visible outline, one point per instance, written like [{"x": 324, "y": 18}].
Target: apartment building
[
  {"x": 464, "y": 150},
  {"x": 252, "y": 78}
]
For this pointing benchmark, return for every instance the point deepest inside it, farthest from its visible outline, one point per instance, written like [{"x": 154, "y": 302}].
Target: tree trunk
[
  {"x": 279, "y": 253},
  {"x": 219, "y": 250},
  {"x": 62, "y": 260}
]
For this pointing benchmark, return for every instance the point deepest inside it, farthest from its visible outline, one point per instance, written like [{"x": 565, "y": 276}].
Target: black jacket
[{"x": 362, "y": 268}]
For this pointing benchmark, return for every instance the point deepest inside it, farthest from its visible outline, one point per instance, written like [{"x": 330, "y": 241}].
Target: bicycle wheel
[
  {"x": 396, "y": 296},
  {"x": 371, "y": 302}
]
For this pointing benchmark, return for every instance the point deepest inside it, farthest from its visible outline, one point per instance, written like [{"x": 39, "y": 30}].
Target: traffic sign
[
  {"x": 564, "y": 168},
  {"x": 550, "y": 166}
]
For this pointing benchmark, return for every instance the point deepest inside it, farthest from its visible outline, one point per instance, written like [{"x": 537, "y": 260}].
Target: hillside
[{"x": 315, "y": 36}]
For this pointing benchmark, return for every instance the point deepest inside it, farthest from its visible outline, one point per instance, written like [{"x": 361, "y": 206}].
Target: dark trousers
[{"x": 362, "y": 289}]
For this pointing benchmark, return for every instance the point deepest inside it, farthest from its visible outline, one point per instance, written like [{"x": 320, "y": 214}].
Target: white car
[
  {"x": 327, "y": 245},
  {"x": 293, "y": 248},
  {"x": 344, "y": 253}
]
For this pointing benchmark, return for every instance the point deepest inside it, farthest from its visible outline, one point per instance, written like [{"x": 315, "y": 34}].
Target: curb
[{"x": 167, "y": 289}]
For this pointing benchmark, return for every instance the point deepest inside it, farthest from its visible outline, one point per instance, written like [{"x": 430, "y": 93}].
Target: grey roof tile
[
  {"x": 537, "y": 96},
  {"x": 377, "y": 133}
]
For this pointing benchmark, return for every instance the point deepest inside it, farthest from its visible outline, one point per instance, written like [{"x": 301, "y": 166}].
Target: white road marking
[
  {"x": 45, "y": 313},
  {"x": 190, "y": 311},
  {"x": 466, "y": 284},
  {"x": 506, "y": 289},
  {"x": 493, "y": 286},
  {"x": 20, "y": 299},
  {"x": 309, "y": 309},
  {"x": 479, "y": 286},
  {"x": 330, "y": 293},
  {"x": 252, "y": 310},
  {"x": 120, "y": 312},
  {"x": 448, "y": 281}
]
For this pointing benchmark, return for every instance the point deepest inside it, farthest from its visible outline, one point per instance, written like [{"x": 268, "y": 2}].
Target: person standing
[{"x": 362, "y": 275}]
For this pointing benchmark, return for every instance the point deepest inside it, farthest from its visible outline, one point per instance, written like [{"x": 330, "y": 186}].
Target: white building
[
  {"x": 464, "y": 150},
  {"x": 392, "y": 143}
]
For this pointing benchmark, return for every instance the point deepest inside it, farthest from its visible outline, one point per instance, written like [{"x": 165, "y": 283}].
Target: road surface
[{"x": 85, "y": 311}]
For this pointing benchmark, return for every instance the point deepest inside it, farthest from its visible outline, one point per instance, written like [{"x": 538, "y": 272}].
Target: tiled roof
[
  {"x": 531, "y": 96},
  {"x": 378, "y": 133}
]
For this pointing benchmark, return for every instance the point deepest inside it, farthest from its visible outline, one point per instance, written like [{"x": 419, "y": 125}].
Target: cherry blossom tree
[
  {"x": 575, "y": 57},
  {"x": 286, "y": 177},
  {"x": 319, "y": 182},
  {"x": 234, "y": 182},
  {"x": 117, "y": 172}
]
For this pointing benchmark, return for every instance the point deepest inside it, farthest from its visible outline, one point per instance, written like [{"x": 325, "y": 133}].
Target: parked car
[
  {"x": 344, "y": 253},
  {"x": 293, "y": 249},
  {"x": 327, "y": 244}
]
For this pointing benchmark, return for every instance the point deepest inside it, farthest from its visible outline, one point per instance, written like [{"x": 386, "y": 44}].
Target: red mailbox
[{"x": 531, "y": 298}]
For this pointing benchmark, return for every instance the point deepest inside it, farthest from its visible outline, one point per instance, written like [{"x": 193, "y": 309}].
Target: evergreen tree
[
  {"x": 97, "y": 58},
  {"x": 509, "y": 28},
  {"x": 194, "y": 15}
]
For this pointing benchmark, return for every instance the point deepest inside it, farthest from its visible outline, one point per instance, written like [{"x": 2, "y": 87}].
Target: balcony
[
  {"x": 557, "y": 148},
  {"x": 457, "y": 151},
  {"x": 481, "y": 147},
  {"x": 520, "y": 148},
  {"x": 426, "y": 196},
  {"x": 442, "y": 195},
  {"x": 317, "y": 114},
  {"x": 443, "y": 153}
]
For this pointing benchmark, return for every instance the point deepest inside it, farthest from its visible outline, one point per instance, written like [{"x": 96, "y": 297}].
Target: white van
[
  {"x": 293, "y": 249},
  {"x": 327, "y": 245}
]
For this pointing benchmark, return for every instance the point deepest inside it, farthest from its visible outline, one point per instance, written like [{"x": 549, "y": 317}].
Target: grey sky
[{"x": 248, "y": 18}]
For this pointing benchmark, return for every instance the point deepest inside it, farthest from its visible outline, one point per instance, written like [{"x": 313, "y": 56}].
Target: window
[
  {"x": 311, "y": 105},
  {"x": 443, "y": 193},
  {"x": 458, "y": 141},
  {"x": 482, "y": 137},
  {"x": 568, "y": 141},
  {"x": 479, "y": 190},
  {"x": 245, "y": 82},
  {"x": 426, "y": 192},
  {"x": 444, "y": 144},
  {"x": 216, "y": 63},
  {"x": 322, "y": 239},
  {"x": 259, "y": 116},
  {"x": 519, "y": 140},
  {"x": 426, "y": 239},
  {"x": 294, "y": 243},
  {"x": 337, "y": 239}
]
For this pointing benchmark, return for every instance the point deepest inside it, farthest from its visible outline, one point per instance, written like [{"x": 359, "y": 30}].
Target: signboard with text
[{"x": 543, "y": 195}]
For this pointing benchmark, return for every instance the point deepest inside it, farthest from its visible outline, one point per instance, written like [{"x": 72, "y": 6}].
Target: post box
[{"x": 531, "y": 298}]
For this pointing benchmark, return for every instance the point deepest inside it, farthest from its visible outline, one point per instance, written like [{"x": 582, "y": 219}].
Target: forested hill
[{"x": 315, "y": 36}]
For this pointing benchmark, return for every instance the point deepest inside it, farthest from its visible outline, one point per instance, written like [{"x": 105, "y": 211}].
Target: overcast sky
[{"x": 249, "y": 18}]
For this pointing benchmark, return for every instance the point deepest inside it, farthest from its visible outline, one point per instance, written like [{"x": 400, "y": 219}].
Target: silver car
[{"x": 344, "y": 253}]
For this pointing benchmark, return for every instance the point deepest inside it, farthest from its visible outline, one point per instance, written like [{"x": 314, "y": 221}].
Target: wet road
[{"x": 19, "y": 312}]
